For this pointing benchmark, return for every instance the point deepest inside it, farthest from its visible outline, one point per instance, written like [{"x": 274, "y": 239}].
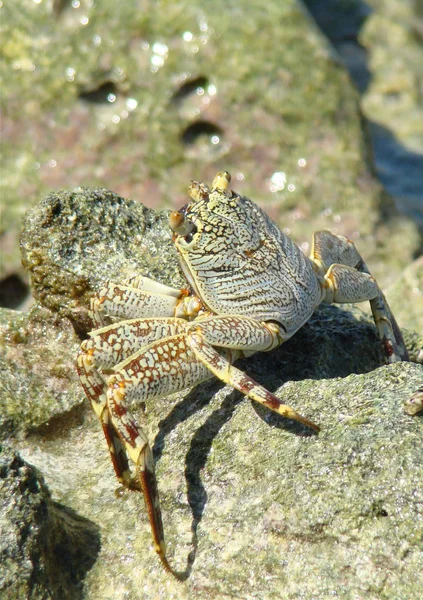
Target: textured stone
[
  {"x": 37, "y": 365},
  {"x": 46, "y": 549},
  {"x": 142, "y": 100}
]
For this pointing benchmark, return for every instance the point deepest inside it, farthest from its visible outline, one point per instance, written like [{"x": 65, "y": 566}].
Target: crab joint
[{"x": 179, "y": 224}]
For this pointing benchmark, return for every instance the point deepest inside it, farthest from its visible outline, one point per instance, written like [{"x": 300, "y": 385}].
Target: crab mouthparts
[{"x": 180, "y": 224}]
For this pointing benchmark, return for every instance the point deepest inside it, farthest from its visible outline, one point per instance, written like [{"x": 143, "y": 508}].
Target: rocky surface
[
  {"x": 406, "y": 296},
  {"x": 72, "y": 242},
  {"x": 46, "y": 548},
  {"x": 381, "y": 44},
  {"x": 142, "y": 101},
  {"x": 393, "y": 101},
  {"x": 393, "y": 37},
  {"x": 254, "y": 505},
  {"x": 38, "y": 384}
]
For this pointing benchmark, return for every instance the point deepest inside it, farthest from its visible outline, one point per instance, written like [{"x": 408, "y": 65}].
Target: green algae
[{"x": 107, "y": 97}]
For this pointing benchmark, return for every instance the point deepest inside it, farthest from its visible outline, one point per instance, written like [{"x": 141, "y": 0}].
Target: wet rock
[
  {"x": 380, "y": 43},
  {"x": 72, "y": 242},
  {"x": 45, "y": 548},
  {"x": 393, "y": 38},
  {"x": 39, "y": 384},
  {"x": 144, "y": 101},
  {"x": 253, "y": 504}
]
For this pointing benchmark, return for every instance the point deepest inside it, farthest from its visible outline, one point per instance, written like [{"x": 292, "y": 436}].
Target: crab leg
[
  {"x": 249, "y": 336},
  {"x": 387, "y": 326},
  {"x": 329, "y": 251},
  {"x": 129, "y": 300},
  {"x": 165, "y": 366},
  {"x": 105, "y": 348}
]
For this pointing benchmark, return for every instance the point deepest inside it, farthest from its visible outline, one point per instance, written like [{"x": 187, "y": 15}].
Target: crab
[{"x": 250, "y": 288}]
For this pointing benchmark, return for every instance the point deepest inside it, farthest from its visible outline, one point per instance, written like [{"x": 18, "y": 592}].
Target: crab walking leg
[
  {"x": 150, "y": 285},
  {"x": 139, "y": 451},
  {"x": 248, "y": 336},
  {"x": 95, "y": 389},
  {"x": 387, "y": 326},
  {"x": 107, "y": 347},
  {"x": 346, "y": 284},
  {"x": 130, "y": 302},
  {"x": 329, "y": 249},
  {"x": 165, "y": 366}
]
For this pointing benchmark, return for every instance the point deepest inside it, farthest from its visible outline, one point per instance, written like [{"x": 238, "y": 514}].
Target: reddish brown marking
[
  {"x": 133, "y": 433},
  {"x": 149, "y": 487},
  {"x": 92, "y": 391},
  {"x": 97, "y": 390},
  {"x": 119, "y": 409},
  {"x": 389, "y": 348},
  {"x": 248, "y": 383},
  {"x": 119, "y": 461},
  {"x": 272, "y": 402}
]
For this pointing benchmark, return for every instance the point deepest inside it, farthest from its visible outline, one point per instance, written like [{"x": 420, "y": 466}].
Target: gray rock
[
  {"x": 72, "y": 242},
  {"x": 143, "y": 101},
  {"x": 254, "y": 505},
  {"x": 38, "y": 385},
  {"x": 45, "y": 548}
]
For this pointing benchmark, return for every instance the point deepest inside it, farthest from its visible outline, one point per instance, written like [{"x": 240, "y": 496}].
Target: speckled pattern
[{"x": 252, "y": 289}]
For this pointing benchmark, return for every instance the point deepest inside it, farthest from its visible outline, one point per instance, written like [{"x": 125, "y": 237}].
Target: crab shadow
[{"x": 334, "y": 343}]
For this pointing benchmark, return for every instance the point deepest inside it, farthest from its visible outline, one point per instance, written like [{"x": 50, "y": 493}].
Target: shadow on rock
[
  {"x": 338, "y": 344},
  {"x": 46, "y": 549}
]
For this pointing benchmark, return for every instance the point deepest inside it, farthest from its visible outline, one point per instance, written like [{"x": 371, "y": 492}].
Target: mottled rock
[
  {"x": 144, "y": 100},
  {"x": 72, "y": 242},
  {"x": 393, "y": 39},
  {"x": 37, "y": 365},
  {"x": 406, "y": 296},
  {"x": 393, "y": 35},
  {"x": 46, "y": 549},
  {"x": 254, "y": 505}
]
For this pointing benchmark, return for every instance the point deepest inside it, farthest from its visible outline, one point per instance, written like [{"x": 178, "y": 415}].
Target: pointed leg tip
[
  {"x": 310, "y": 424},
  {"x": 178, "y": 575}
]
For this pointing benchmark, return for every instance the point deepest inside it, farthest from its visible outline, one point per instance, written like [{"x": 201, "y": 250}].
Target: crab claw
[{"x": 180, "y": 224}]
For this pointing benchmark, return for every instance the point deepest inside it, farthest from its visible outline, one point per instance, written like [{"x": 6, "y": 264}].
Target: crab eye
[{"x": 188, "y": 238}]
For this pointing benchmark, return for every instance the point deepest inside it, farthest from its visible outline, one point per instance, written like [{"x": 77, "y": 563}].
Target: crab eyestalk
[
  {"x": 221, "y": 181},
  {"x": 180, "y": 224},
  {"x": 198, "y": 191}
]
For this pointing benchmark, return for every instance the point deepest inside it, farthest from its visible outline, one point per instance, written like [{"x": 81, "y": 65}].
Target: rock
[
  {"x": 406, "y": 296},
  {"x": 72, "y": 242},
  {"x": 392, "y": 37},
  {"x": 46, "y": 549},
  {"x": 143, "y": 101},
  {"x": 39, "y": 385},
  {"x": 254, "y": 505},
  {"x": 380, "y": 43}
]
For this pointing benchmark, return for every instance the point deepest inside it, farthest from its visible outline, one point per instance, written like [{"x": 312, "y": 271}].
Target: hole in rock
[{"x": 13, "y": 291}]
